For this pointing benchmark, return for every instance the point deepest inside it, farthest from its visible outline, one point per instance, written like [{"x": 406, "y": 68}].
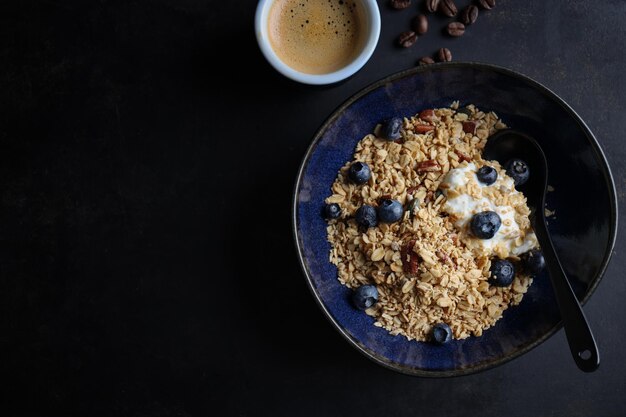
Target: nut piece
[
  {"x": 420, "y": 24},
  {"x": 427, "y": 115},
  {"x": 426, "y": 60},
  {"x": 424, "y": 128},
  {"x": 448, "y": 8},
  {"x": 456, "y": 29},
  {"x": 469, "y": 15},
  {"x": 444, "y": 55},
  {"x": 432, "y": 5},
  {"x": 462, "y": 156},
  {"x": 407, "y": 39},
  {"x": 487, "y": 4},
  {"x": 400, "y": 4},
  {"x": 427, "y": 166}
]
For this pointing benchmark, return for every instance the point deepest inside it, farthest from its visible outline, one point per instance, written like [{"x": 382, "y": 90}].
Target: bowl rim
[{"x": 593, "y": 142}]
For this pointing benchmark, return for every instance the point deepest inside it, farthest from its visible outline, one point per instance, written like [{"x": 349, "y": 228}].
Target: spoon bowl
[{"x": 509, "y": 144}]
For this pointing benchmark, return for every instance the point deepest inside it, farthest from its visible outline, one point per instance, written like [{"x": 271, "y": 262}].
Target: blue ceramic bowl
[{"x": 584, "y": 199}]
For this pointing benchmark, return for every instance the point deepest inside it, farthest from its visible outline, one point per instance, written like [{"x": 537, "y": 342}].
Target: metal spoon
[{"x": 509, "y": 144}]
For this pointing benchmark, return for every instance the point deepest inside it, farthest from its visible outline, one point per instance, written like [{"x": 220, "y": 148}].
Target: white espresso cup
[{"x": 368, "y": 39}]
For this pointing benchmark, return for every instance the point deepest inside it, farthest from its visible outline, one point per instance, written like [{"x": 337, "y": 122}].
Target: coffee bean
[
  {"x": 444, "y": 55},
  {"x": 456, "y": 29},
  {"x": 420, "y": 24},
  {"x": 469, "y": 15},
  {"x": 432, "y": 5},
  {"x": 487, "y": 4},
  {"x": 400, "y": 4},
  {"x": 407, "y": 39},
  {"x": 448, "y": 8},
  {"x": 426, "y": 60}
]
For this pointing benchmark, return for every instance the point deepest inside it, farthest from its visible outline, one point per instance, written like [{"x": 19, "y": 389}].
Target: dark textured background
[{"x": 146, "y": 259}]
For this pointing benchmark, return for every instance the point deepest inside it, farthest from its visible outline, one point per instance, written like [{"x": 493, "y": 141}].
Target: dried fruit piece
[
  {"x": 410, "y": 260},
  {"x": 469, "y": 127}
]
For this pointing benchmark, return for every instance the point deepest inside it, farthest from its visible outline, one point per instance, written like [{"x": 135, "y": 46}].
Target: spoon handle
[{"x": 581, "y": 342}]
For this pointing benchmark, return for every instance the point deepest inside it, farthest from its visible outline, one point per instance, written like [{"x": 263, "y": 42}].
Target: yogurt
[{"x": 466, "y": 196}]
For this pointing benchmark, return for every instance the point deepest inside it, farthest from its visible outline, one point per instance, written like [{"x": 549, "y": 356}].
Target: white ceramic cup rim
[{"x": 372, "y": 14}]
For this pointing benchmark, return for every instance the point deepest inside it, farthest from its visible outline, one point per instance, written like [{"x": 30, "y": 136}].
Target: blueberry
[
  {"x": 485, "y": 225},
  {"x": 441, "y": 333},
  {"x": 359, "y": 172},
  {"x": 534, "y": 261},
  {"x": 390, "y": 211},
  {"x": 390, "y": 129},
  {"x": 332, "y": 211},
  {"x": 365, "y": 296},
  {"x": 366, "y": 216},
  {"x": 518, "y": 170},
  {"x": 502, "y": 273},
  {"x": 487, "y": 175}
]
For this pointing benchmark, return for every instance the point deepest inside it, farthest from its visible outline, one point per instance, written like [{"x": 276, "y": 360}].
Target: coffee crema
[{"x": 316, "y": 36}]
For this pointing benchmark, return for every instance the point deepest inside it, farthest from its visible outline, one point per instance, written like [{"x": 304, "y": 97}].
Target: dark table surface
[{"x": 146, "y": 260}]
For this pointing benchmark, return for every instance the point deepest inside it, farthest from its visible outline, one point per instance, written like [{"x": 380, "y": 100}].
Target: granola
[{"x": 427, "y": 268}]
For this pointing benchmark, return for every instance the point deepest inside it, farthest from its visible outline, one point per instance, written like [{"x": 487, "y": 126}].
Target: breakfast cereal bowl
[{"x": 583, "y": 227}]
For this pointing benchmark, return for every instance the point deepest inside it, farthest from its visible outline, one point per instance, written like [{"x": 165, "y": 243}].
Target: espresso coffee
[{"x": 316, "y": 36}]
